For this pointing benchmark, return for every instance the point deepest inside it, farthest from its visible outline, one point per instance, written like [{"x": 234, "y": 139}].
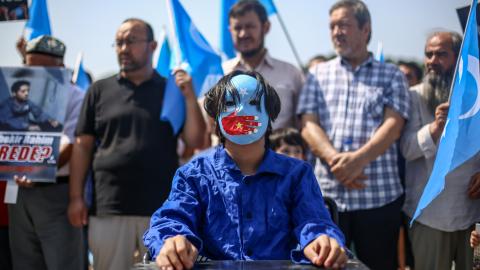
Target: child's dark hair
[
  {"x": 215, "y": 102},
  {"x": 289, "y": 136}
]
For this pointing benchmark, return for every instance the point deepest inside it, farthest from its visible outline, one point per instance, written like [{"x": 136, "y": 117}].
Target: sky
[{"x": 89, "y": 26}]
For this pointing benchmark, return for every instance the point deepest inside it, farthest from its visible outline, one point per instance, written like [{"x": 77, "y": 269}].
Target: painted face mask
[{"x": 242, "y": 123}]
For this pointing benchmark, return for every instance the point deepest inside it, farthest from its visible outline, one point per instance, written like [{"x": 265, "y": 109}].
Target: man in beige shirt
[
  {"x": 441, "y": 234},
  {"x": 248, "y": 21}
]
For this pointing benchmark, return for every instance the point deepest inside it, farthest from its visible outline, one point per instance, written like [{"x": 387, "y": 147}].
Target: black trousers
[
  {"x": 5, "y": 256},
  {"x": 374, "y": 234}
]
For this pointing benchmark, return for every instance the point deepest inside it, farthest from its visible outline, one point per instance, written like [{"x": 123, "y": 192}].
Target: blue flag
[
  {"x": 38, "y": 23},
  {"x": 80, "y": 77},
  {"x": 459, "y": 141},
  {"x": 196, "y": 57},
  {"x": 173, "y": 100},
  {"x": 226, "y": 43},
  {"x": 165, "y": 63},
  {"x": 269, "y": 6}
]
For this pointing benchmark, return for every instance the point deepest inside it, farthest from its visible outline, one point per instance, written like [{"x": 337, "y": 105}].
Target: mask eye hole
[
  {"x": 253, "y": 102},
  {"x": 230, "y": 103}
]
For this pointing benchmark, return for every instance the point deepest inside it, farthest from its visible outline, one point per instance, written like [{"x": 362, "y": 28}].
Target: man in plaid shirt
[{"x": 353, "y": 109}]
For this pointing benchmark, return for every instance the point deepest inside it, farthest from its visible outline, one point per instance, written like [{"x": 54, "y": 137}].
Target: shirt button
[{"x": 249, "y": 215}]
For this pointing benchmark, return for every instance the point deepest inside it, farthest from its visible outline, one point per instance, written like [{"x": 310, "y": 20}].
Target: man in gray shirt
[
  {"x": 441, "y": 234},
  {"x": 249, "y": 24}
]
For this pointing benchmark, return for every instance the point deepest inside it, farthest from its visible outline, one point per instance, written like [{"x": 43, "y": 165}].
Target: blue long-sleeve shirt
[{"x": 229, "y": 216}]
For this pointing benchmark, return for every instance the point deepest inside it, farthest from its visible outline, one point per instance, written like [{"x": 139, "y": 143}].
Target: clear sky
[{"x": 90, "y": 26}]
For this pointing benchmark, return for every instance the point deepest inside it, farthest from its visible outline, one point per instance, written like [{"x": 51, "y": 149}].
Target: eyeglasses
[{"x": 129, "y": 42}]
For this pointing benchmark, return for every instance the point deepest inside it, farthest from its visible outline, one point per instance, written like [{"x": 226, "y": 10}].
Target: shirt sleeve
[
  {"x": 179, "y": 215},
  {"x": 416, "y": 141},
  {"x": 310, "y": 222},
  {"x": 298, "y": 82},
  {"x": 397, "y": 94},
  {"x": 86, "y": 117},
  {"x": 308, "y": 101},
  {"x": 73, "y": 110}
]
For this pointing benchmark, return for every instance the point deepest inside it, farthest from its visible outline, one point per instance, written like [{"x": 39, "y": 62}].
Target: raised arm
[
  {"x": 417, "y": 140},
  {"x": 193, "y": 130}
]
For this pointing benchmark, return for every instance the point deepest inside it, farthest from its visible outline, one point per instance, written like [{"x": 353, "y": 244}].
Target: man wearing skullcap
[{"x": 41, "y": 236}]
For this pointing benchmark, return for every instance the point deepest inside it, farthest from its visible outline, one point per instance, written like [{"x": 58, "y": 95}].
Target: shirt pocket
[
  {"x": 278, "y": 219},
  {"x": 373, "y": 100}
]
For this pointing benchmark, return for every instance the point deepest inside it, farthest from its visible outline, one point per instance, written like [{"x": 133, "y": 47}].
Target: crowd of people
[{"x": 269, "y": 141}]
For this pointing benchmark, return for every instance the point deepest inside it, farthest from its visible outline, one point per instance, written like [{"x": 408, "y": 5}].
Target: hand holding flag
[
  {"x": 459, "y": 140},
  {"x": 192, "y": 54}
]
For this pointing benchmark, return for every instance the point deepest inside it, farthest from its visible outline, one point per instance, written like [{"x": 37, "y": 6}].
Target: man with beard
[
  {"x": 353, "y": 109},
  {"x": 133, "y": 152},
  {"x": 441, "y": 234},
  {"x": 248, "y": 22}
]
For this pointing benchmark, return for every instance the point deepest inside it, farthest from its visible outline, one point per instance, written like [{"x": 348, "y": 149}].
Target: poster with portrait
[
  {"x": 13, "y": 10},
  {"x": 33, "y": 102}
]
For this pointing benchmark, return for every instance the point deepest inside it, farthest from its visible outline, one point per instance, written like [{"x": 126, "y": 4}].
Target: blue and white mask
[{"x": 242, "y": 122}]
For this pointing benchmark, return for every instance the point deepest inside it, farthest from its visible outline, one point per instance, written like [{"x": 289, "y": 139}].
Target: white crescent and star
[
  {"x": 473, "y": 68},
  {"x": 243, "y": 92}
]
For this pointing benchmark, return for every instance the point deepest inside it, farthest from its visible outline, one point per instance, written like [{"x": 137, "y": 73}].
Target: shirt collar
[
  {"x": 368, "y": 62},
  {"x": 156, "y": 78},
  {"x": 267, "y": 60},
  {"x": 271, "y": 162}
]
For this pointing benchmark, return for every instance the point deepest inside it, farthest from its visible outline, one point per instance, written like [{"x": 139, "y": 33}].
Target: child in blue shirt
[{"x": 241, "y": 200}]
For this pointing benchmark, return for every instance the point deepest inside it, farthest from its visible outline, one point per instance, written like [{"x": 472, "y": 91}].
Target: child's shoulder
[{"x": 200, "y": 161}]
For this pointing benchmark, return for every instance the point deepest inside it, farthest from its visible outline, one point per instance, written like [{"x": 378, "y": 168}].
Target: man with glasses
[{"x": 133, "y": 152}]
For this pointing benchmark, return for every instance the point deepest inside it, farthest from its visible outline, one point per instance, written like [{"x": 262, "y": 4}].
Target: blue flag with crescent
[
  {"x": 226, "y": 43},
  {"x": 38, "y": 23},
  {"x": 196, "y": 57},
  {"x": 459, "y": 141}
]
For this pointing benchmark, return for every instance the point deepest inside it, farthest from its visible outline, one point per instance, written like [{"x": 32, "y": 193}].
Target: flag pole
[
  {"x": 290, "y": 42},
  {"x": 77, "y": 67},
  {"x": 174, "y": 39},
  {"x": 460, "y": 53},
  {"x": 164, "y": 32}
]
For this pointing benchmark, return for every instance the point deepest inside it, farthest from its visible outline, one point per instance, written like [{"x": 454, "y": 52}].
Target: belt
[{"x": 60, "y": 180}]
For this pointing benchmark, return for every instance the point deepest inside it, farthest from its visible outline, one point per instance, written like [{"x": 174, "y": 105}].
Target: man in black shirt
[{"x": 132, "y": 150}]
